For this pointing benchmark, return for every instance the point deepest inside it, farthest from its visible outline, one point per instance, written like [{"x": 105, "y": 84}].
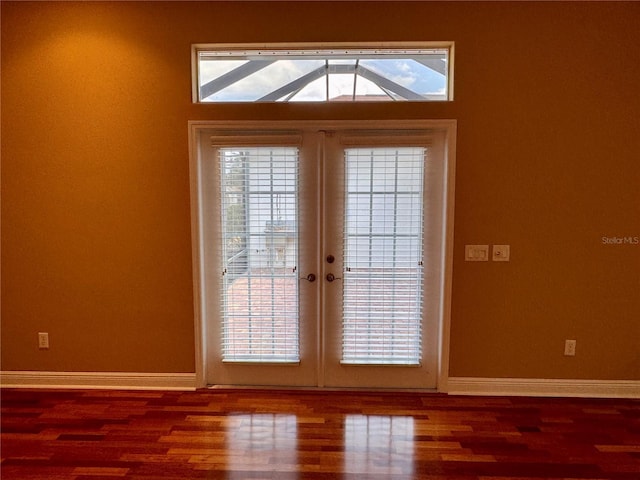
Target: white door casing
[{"x": 321, "y": 147}]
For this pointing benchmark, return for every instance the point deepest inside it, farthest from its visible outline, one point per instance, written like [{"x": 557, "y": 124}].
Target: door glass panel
[
  {"x": 382, "y": 295},
  {"x": 260, "y": 250}
]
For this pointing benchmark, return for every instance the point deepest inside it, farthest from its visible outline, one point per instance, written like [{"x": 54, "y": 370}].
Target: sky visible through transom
[{"x": 358, "y": 75}]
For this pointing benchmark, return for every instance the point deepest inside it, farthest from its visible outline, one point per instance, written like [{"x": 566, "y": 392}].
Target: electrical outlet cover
[
  {"x": 43, "y": 340},
  {"x": 569, "y": 348}
]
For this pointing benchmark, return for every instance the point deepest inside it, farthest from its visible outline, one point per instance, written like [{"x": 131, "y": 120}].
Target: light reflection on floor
[
  {"x": 373, "y": 445},
  {"x": 378, "y": 445},
  {"x": 261, "y": 442}
]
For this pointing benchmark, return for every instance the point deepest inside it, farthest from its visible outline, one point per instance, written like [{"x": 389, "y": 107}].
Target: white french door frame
[{"x": 445, "y": 134}]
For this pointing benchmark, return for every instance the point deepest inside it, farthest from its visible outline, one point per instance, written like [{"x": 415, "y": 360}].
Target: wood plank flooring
[{"x": 257, "y": 434}]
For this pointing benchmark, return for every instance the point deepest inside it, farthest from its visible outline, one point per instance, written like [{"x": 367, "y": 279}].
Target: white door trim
[{"x": 445, "y": 126}]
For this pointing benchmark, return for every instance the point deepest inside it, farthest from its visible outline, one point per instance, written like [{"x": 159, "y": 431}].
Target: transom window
[{"x": 323, "y": 74}]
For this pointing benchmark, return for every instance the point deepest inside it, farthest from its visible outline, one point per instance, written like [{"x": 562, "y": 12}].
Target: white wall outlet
[
  {"x": 569, "y": 348},
  {"x": 501, "y": 253},
  {"x": 43, "y": 340},
  {"x": 476, "y": 253}
]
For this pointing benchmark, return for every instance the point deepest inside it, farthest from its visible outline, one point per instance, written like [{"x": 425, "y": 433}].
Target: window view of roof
[{"x": 316, "y": 75}]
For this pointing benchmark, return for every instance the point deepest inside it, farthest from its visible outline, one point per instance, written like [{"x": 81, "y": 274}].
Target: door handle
[
  {"x": 331, "y": 277},
  {"x": 309, "y": 278}
]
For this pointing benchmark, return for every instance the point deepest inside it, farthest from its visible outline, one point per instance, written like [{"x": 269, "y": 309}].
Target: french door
[{"x": 322, "y": 252}]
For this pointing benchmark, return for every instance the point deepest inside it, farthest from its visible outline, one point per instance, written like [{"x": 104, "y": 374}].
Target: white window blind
[
  {"x": 259, "y": 188},
  {"x": 382, "y": 304}
]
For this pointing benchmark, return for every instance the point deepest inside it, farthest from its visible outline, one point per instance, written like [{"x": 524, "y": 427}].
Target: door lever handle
[
  {"x": 331, "y": 277},
  {"x": 309, "y": 278}
]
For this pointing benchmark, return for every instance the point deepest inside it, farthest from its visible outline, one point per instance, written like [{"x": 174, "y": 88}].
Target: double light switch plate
[{"x": 480, "y": 253}]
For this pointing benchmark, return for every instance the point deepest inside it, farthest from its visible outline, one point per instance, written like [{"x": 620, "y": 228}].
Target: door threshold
[{"x": 285, "y": 388}]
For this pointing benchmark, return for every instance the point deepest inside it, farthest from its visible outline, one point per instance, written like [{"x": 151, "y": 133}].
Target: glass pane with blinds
[
  {"x": 260, "y": 249},
  {"x": 382, "y": 303}
]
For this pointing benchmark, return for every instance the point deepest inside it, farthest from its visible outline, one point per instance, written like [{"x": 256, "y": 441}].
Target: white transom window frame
[{"x": 305, "y": 49}]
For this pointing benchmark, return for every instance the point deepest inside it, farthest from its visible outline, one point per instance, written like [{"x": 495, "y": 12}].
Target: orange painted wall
[{"x": 96, "y": 246}]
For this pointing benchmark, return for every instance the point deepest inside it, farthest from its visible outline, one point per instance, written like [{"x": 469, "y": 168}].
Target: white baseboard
[
  {"x": 98, "y": 380},
  {"x": 538, "y": 387},
  {"x": 532, "y": 387}
]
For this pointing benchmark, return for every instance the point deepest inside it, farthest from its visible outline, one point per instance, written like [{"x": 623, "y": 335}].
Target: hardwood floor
[{"x": 256, "y": 434}]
